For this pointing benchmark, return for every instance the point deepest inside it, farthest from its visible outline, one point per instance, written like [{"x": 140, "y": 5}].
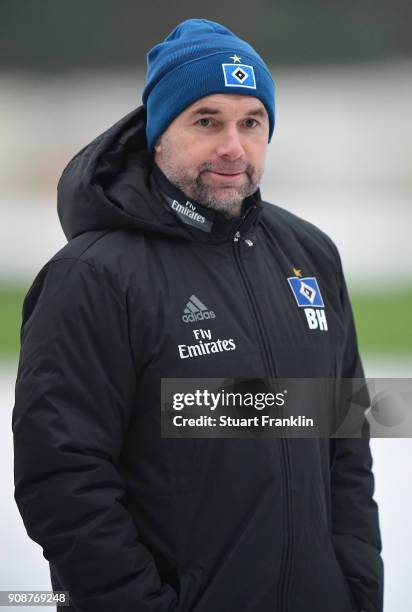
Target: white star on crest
[{"x": 235, "y": 58}]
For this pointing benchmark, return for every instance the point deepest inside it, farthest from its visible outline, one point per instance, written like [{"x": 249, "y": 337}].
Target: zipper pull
[
  {"x": 236, "y": 237},
  {"x": 249, "y": 242}
]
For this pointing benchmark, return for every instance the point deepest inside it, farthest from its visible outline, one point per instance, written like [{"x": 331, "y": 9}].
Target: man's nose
[{"x": 230, "y": 144}]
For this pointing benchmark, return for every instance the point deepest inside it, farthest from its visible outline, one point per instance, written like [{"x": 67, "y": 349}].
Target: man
[{"x": 176, "y": 268}]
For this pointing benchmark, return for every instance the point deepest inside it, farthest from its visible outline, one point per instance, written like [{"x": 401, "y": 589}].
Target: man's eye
[
  {"x": 251, "y": 122},
  {"x": 204, "y": 122}
]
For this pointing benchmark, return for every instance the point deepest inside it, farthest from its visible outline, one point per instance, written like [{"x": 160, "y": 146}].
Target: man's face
[{"x": 214, "y": 151}]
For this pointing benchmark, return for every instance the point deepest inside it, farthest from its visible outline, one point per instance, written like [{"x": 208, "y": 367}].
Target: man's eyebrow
[
  {"x": 257, "y": 112},
  {"x": 206, "y": 110}
]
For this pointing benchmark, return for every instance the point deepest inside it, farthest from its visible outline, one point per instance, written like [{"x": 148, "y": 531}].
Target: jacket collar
[{"x": 202, "y": 223}]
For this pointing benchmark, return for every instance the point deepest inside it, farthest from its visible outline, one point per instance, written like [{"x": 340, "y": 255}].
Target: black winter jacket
[{"x": 133, "y": 522}]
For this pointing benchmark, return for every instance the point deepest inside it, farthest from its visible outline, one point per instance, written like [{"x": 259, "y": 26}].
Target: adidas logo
[{"x": 196, "y": 311}]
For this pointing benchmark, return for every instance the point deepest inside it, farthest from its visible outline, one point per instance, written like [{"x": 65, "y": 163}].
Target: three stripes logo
[{"x": 196, "y": 311}]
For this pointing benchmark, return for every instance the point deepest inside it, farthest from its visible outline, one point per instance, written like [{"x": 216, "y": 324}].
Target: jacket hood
[{"x": 109, "y": 184}]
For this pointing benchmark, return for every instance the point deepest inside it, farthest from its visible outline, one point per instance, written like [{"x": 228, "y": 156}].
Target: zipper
[{"x": 287, "y": 549}]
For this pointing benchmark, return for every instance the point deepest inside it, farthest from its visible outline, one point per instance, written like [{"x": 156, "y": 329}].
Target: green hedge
[{"x": 383, "y": 321}]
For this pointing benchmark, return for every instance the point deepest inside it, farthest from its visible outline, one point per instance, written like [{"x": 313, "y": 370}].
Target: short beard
[{"x": 202, "y": 193}]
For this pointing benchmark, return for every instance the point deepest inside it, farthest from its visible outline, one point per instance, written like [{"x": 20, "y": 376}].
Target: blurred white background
[{"x": 340, "y": 156}]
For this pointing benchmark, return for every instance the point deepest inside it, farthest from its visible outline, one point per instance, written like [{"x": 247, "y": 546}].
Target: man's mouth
[{"x": 226, "y": 175}]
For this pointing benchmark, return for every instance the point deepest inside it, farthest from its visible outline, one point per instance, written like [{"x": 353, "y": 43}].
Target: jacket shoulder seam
[{"x": 93, "y": 242}]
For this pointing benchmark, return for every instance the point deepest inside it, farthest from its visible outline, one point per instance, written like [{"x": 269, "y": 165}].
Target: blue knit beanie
[{"x": 197, "y": 59}]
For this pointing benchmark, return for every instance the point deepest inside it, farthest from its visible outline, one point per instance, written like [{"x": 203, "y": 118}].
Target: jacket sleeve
[
  {"x": 74, "y": 396},
  {"x": 355, "y": 524}
]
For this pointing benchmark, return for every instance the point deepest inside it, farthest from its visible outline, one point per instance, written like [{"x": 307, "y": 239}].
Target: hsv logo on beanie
[{"x": 197, "y": 59}]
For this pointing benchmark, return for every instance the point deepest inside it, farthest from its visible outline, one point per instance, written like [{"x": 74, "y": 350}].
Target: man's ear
[{"x": 158, "y": 146}]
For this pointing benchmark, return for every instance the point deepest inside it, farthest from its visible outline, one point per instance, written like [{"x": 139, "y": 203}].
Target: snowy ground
[{"x": 22, "y": 566}]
